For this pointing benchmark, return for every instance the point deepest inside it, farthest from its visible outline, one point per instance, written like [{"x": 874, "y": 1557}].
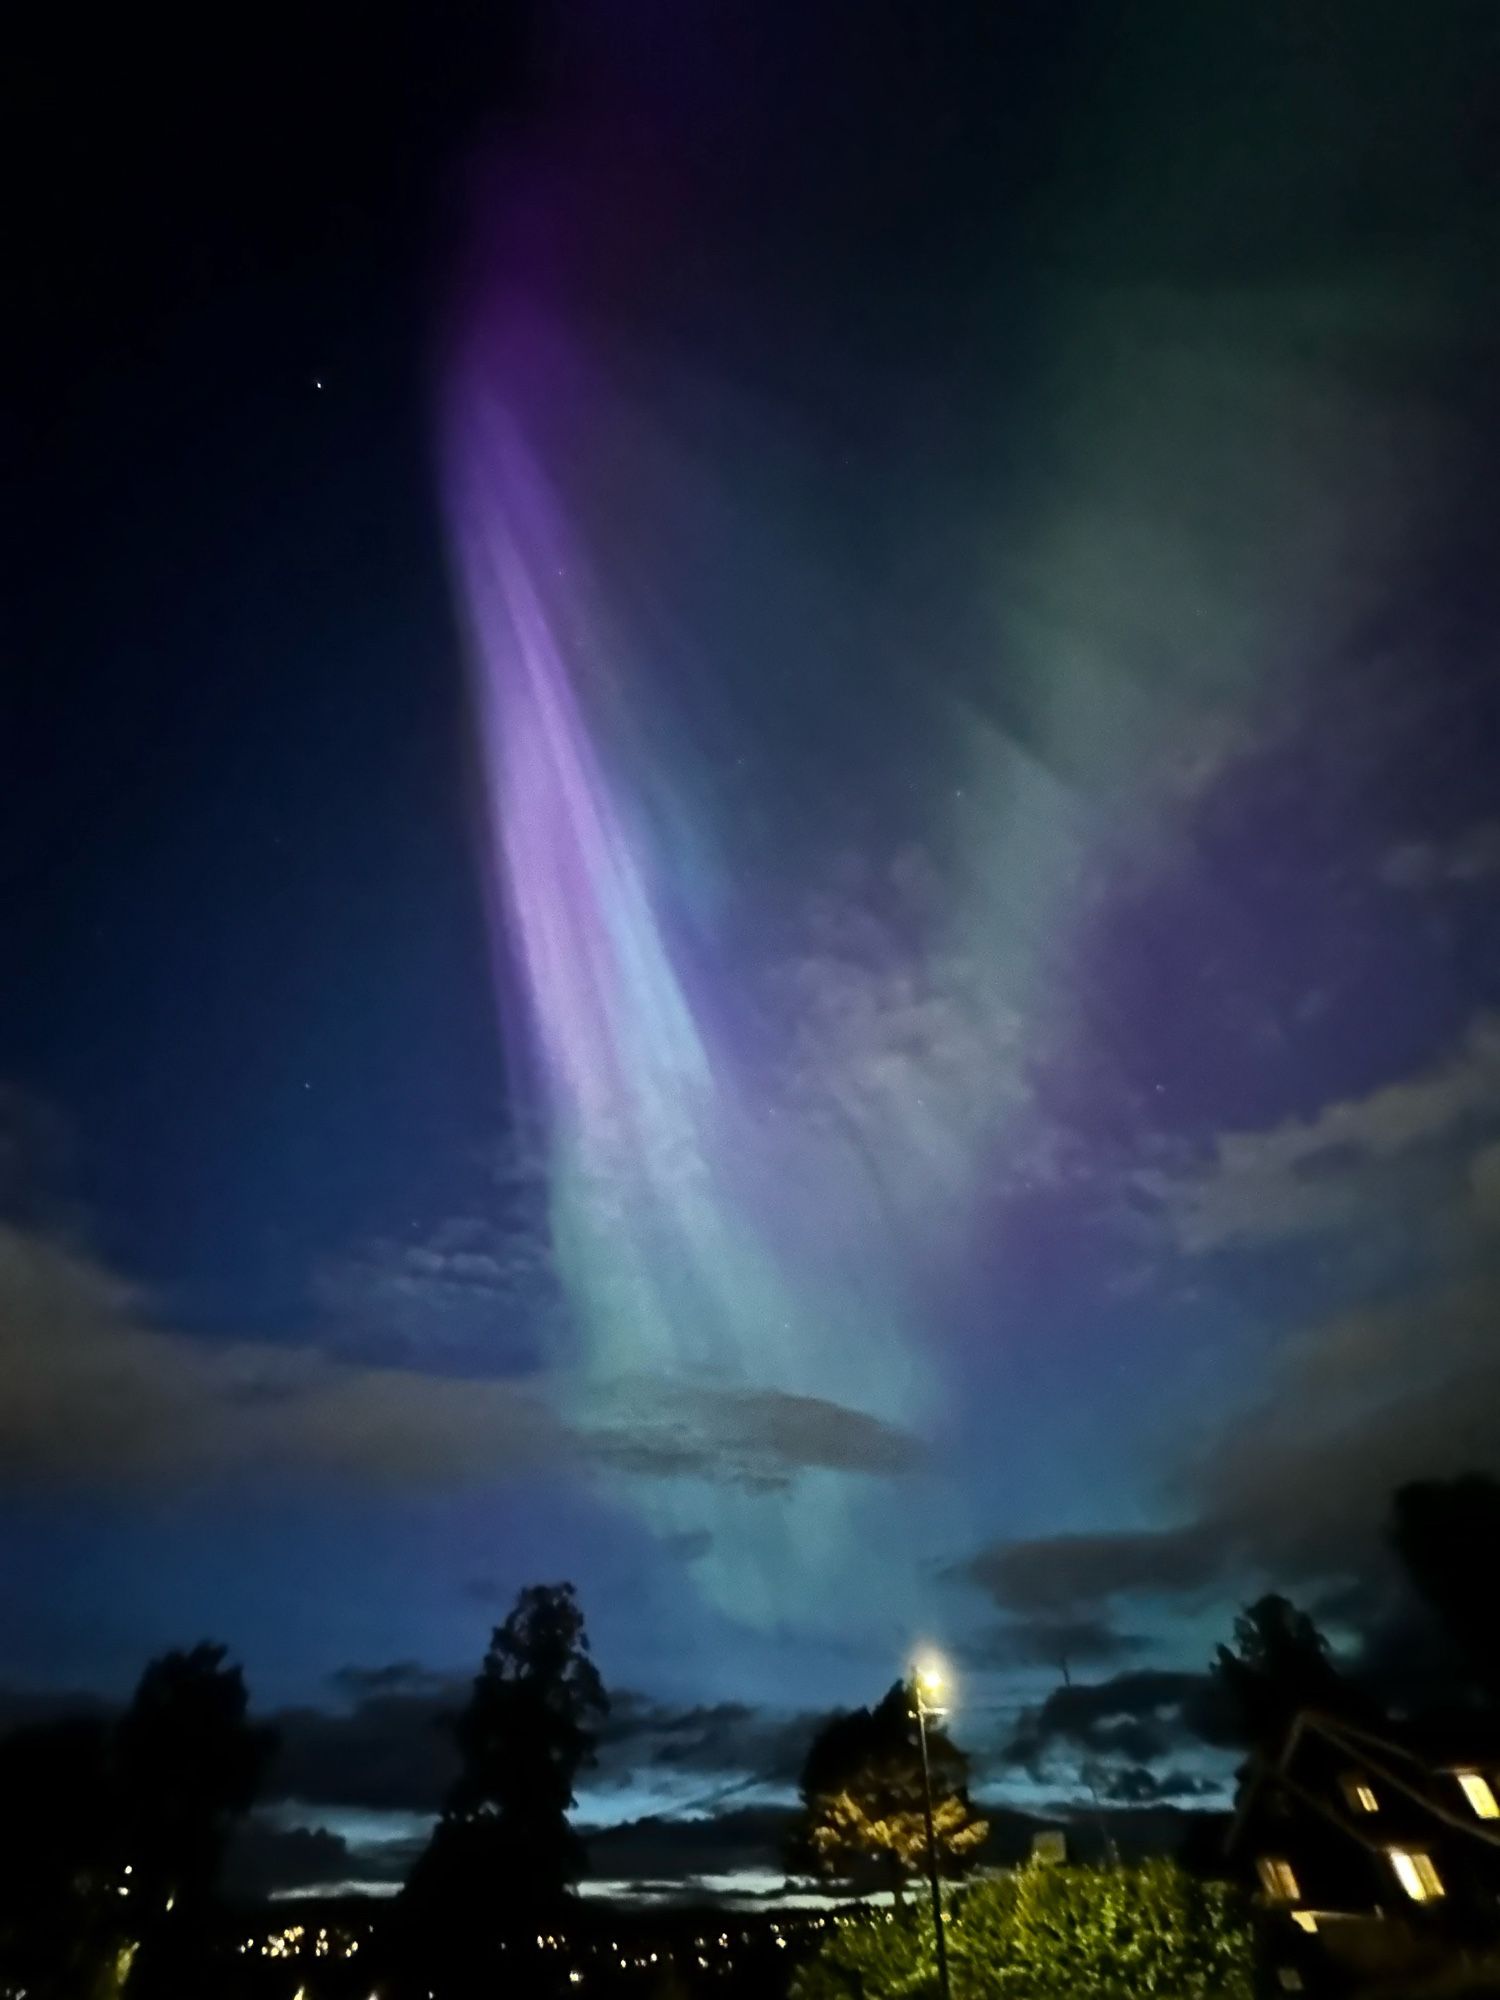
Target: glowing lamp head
[{"x": 931, "y": 1678}]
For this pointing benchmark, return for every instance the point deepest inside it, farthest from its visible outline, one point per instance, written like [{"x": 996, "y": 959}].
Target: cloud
[
  {"x": 388, "y": 1751},
  {"x": 729, "y": 1739},
  {"x": 891, "y": 1048},
  {"x": 403, "y": 1677},
  {"x": 1048, "y": 1639},
  {"x": 265, "y": 1860},
  {"x": 749, "y": 1837},
  {"x": 1138, "y": 1785},
  {"x": 754, "y": 1438},
  {"x": 96, "y": 1396},
  {"x": 479, "y": 1287},
  {"x": 1472, "y": 856},
  {"x": 1308, "y": 1176},
  {"x": 1296, "y": 1487},
  {"x": 22, "y": 1708},
  {"x": 389, "y": 1748},
  {"x": 1055, "y": 1575},
  {"x": 1135, "y": 1718}
]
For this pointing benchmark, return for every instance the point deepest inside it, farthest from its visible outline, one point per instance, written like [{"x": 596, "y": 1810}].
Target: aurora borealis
[{"x": 818, "y": 942}]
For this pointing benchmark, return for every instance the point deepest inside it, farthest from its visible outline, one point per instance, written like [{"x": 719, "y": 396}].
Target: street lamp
[{"x": 927, "y": 1684}]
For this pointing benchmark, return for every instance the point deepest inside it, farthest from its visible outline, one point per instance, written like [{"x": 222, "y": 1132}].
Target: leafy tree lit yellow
[
  {"x": 864, "y": 1821},
  {"x": 862, "y": 1798}
]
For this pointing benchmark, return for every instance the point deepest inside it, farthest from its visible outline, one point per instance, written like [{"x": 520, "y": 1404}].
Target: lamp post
[{"x": 927, "y": 1689}]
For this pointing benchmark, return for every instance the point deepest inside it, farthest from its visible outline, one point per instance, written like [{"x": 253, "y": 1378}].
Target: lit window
[
  {"x": 1306, "y": 1920},
  {"x": 1416, "y": 1874},
  {"x": 1360, "y": 1795},
  {"x": 1277, "y": 1879},
  {"x": 1480, "y": 1794}
]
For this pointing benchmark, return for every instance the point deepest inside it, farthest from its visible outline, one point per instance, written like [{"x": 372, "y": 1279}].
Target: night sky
[{"x": 751, "y": 841}]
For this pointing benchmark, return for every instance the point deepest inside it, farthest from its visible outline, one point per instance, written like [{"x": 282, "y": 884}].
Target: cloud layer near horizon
[
  {"x": 96, "y": 1396},
  {"x": 1294, "y": 1486}
]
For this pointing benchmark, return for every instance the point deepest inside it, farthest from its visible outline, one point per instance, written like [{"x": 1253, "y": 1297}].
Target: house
[{"x": 1370, "y": 1854}]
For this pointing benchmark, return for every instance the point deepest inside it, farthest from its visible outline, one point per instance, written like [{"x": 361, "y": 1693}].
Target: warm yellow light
[
  {"x": 1305, "y": 1919},
  {"x": 931, "y": 1677},
  {"x": 1277, "y": 1878},
  {"x": 1480, "y": 1794},
  {"x": 1416, "y": 1874}
]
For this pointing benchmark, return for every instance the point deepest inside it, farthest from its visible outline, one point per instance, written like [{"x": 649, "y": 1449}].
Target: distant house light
[
  {"x": 1277, "y": 1878},
  {"x": 1480, "y": 1794},
  {"x": 1360, "y": 1795},
  {"x": 1416, "y": 1874}
]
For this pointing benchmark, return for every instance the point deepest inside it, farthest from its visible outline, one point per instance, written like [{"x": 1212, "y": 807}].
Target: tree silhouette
[
  {"x": 113, "y": 1834},
  {"x": 187, "y": 1763},
  {"x": 1278, "y": 1666},
  {"x": 862, "y": 1797},
  {"x": 60, "y": 1919},
  {"x": 1445, "y": 1533},
  {"x": 503, "y": 1842}
]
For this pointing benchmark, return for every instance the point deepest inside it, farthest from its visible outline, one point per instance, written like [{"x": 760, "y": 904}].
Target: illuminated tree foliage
[
  {"x": 1088, "y": 1933},
  {"x": 862, "y": 1798},
  {"x": 866, "y": 1820}
]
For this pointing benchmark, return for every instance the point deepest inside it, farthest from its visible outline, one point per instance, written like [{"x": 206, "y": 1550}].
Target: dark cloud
[
  {"x": 662, "y": 1849},
  {"x": 391, "y": 1751},
  {"x": 1397, "y": 1648},
  {"x": 1139, "y": 1785},
  {"x": 20, "y": 1708},
  {"x": 95, "y": 1394},
  {"x": 1139, "y": 1717},
  {"x": 732, "y": 1740},
  {"x": 1054, "y": 1574},
  {"x": 1296, "y": 1489},
  {"x": 265, "y": 1860},
  {"x": 753, "y": 1438},
  {"x": 401, "y": 1677},
  {"x": 1083, "y": 1640},
  {"x": 389, "y": 1748}
]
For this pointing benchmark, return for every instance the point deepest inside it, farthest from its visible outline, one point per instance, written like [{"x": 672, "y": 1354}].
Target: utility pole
[
  {"x": 1086, "y": 1771},
  {"x": 928, "y": 1680}
]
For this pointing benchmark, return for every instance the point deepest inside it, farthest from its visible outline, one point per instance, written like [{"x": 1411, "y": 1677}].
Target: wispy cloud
[
  {"x": 1417, "y": 865},
  {"x": 1304, "y": 1177}
]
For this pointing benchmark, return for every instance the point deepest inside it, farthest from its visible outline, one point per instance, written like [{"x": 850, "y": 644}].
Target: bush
[{"x": 1048, "y": 1933}]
